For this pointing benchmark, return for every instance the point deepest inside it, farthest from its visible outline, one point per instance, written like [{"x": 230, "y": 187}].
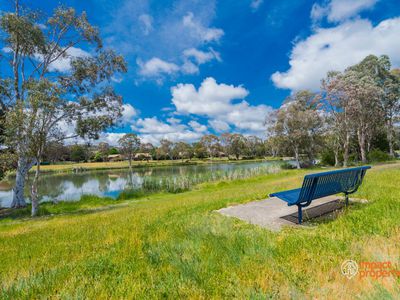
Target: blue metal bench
[{"x": 323, "y": 184}]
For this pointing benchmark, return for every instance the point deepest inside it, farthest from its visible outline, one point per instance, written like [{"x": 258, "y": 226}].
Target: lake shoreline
[{"x": 98, "y": 166}]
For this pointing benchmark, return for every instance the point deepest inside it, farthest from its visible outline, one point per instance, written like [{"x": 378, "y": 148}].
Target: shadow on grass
[{"x": 324, "y": 213}]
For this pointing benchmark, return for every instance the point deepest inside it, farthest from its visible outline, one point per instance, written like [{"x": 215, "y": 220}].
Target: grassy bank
[{"x": 174, "y": 245}]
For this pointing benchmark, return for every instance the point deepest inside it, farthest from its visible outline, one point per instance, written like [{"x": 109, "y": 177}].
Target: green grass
[
  {"x": 176, "y": 246},
  {"x": 86, "y": 203}
]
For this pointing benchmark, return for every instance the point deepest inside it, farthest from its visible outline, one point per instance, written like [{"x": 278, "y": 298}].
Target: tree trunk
[
  {"x": 346, "y": 150},
  {"x": 130, "y": 163},
  {"x": 34, "y": 191},
  {"x": 361, "y": 143},
  {"x": 296, "y": 155},
  {"x": 389, "y": 129},
  {"x": 336, "y": 157},
  {"x": 18, "y": 191}
]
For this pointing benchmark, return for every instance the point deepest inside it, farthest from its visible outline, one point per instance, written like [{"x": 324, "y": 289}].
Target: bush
[
  {"x": 378, "y": 156},
  {"x": 97, "y": 157},
  {"x": 328, "y": 158}
]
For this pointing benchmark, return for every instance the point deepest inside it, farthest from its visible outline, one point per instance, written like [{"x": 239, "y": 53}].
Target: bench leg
[
  {"x": 347, "y": 199},
  {"x": 299, "y": 214}
]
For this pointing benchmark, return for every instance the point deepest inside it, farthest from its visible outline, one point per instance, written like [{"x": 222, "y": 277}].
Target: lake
[{"x": 110, "y": 183}]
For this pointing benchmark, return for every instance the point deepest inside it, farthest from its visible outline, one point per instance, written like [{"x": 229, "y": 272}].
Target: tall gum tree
[
  {"x": 336, "y": 103},
  {"x": 298, "y": 124},
  {"x": 42, "y": 95}
]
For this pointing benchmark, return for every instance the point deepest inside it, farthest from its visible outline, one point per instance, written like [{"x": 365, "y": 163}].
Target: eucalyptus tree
[
  {"x": 298, "y": 122},
  {"x": 49, "y": 89},
  {"x": 199, "y": 151},
  {"x": 234, "y": 144},
  {"x": 255, "y": 146},
  {"x": 166, "y": 149},
  {"x": 130, "y": 144},
  {"x": 378, "y": 69},
  {"x": 391, "y": 106},
  {"x": 274, "y": 144},
  {"x": 364, "y": 106},
  {"x": 148, "y": 148},
  {"x": 103, "y": 150},
  {"x": 337, "y": 106},
  {"x": 211, "y": 143},
  {"x": 183, "y": 150}
]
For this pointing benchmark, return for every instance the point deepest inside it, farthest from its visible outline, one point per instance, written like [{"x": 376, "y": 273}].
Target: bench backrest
[{"x": 329, "y": 183}]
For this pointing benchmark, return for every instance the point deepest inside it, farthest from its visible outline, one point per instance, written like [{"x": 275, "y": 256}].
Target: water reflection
[{"x": 70, "y": 187}]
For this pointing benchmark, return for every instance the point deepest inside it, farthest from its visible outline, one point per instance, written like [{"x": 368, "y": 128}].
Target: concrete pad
[{"x": 268, "y": 213}]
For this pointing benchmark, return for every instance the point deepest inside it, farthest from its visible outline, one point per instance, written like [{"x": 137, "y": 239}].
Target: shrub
[
  {"x": 328, "y": 158},
  {"x": 378, "y": 156}
]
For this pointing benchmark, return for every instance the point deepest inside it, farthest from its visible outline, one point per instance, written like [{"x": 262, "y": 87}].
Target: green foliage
[
  {"x": 79, "y": 153},
  {"x": 130, "y": 144},
  {"x": 98, "y": 157},
  {"x": 113, "y": 151},
  {"x": 8, "y": 161},
  {"x": 328, "y": 158},
  {"x": 377, "y": 155}
]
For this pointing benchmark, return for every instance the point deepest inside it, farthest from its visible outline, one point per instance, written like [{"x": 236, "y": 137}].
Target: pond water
[{"x": 71, "y": 186}]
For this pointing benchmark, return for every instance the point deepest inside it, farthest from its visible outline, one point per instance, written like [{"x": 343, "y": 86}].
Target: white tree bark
[
  {"x": 346, "y": 150},
  {"x": 34, "y": 191},
  {"x": 389, "y": 129},
  {"x": 296, "y": 154},
  {"x": 336, "y": 157},
  {"x": 24, "y": 165},
  {"x": 362, "y": 145}
]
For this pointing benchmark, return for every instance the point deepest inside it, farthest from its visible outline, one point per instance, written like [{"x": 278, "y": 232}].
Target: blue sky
[{"x": 199, "y": 67}]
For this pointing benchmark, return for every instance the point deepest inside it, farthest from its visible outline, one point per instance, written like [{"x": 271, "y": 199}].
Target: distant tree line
[{"x": 233, "y": 146}]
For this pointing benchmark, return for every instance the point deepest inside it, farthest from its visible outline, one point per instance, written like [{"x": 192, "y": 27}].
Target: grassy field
[{"x": 176, "y": 246}]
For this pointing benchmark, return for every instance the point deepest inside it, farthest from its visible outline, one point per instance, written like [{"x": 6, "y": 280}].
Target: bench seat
[{"x": 290, "y": 196}]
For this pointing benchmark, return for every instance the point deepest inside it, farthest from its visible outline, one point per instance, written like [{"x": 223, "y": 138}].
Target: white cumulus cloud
[
  {"x": 197, "y": 127},
  {"x": 128, "y": 113},
  {"x": 155, "y": 67},
  {"x": 152, "y": 130},
  {"x": 205, "y": 34},
  {"x": 337, "y": 48},
  {"x": 218, "y": 125},
  {"x": 210, "y": 99},
  {"x": 201, "y": 57},
  {"x": 339, "y": 10},
  {"x": 216, "y": 101}
]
